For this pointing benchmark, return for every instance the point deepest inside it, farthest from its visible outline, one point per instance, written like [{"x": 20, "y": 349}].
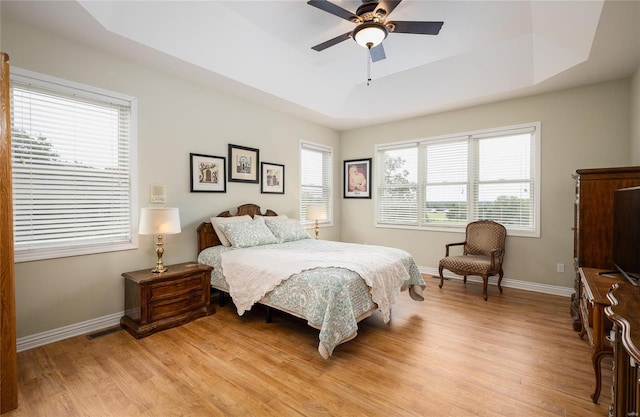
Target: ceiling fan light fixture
[{"x": 370, "y": 34}]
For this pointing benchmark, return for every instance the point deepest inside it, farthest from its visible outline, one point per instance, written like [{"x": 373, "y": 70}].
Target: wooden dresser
[
  {"x": 593, "y": 220},
  {"x": 623, "y": 311},
  {"x": 593, "y": 301},
  {"x": 157, "y": 301}
]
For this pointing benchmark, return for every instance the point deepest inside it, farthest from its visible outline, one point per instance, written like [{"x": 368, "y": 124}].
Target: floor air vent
[{"x": 103, "y": 332}]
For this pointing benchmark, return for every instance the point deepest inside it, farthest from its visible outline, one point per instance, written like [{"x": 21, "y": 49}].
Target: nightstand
[{"x": 155, "y": 302}]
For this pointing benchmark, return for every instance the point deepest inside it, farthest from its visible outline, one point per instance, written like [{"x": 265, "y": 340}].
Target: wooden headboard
[{"x": 207, "y": 237}]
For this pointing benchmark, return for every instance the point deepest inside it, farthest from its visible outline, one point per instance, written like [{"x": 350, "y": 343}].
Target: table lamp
[
  {"x": 159, "y": 221},
  {"x": 317, "y": 213}
]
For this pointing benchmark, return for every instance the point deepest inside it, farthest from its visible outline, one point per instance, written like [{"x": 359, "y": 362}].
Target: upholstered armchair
[{"x": 483, "y": 253}]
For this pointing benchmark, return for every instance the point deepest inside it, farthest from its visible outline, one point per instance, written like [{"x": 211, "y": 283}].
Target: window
[
  {"x": 316, "y": 186},
  {"x": 73, "y": 167},
  {"x": 444, "y": 183}
]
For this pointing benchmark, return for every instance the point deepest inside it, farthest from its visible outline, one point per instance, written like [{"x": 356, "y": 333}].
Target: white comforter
[{"x": 252, "y": 273}]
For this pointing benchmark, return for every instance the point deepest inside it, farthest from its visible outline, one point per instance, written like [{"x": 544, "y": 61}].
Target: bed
[{"x": 314, "y": 280}]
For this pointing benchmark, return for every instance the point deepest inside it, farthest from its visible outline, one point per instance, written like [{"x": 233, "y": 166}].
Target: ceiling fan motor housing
[
  {"x": 366, "y": 9},
  {"x": 370, "y": 31}
]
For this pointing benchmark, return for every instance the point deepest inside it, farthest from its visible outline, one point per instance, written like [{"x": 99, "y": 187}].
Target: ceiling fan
[{"x": 371, "y": 25}]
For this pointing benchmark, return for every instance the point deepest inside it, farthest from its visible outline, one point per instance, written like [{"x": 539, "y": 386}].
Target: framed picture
[
  {"x": 208, "y": 173},
  {"x": 357, "y": 178},
  {"x": 272, "y": 178},
  {"x": 243, "y": 164}
]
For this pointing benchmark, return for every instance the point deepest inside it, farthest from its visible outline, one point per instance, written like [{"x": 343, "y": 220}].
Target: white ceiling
[{"x": 261, "y": 50}]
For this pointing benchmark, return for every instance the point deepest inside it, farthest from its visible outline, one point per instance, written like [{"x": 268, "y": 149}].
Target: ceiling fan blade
[
  {"x": 387, "y": 6},
  {"x": 377, "y": 53},
  {"x": 420, "y": 28},
  {"x": 331, "y": 42},
  {"x": 334, "y": 10}
]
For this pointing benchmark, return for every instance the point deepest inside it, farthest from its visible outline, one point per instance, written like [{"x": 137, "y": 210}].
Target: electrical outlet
[{"x": 560, "y": 267}]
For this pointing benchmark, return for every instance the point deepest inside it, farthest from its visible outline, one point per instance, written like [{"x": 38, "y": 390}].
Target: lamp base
[{"x": 159, "y": 251}]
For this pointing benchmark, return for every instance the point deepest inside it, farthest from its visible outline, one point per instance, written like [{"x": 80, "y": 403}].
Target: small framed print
[
  {"x": 357, "y": 178},
  {"x": 272, "y": 178},
  {"x": 243, "y": 164},
  {"x": 208, "y": 174}
]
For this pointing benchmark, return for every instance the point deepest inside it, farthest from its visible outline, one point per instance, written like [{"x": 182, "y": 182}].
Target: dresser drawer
[
  {"x": 175, "y": 288},
  {"x": 587, "y": 309}
]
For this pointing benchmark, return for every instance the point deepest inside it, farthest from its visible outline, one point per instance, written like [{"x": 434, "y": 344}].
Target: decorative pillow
[
  {"x": 217, "y": 221},
  {"x": 279, "y": 216},
  {"x": 286, "y": 230},
  {"x": 247, "y": 234}
]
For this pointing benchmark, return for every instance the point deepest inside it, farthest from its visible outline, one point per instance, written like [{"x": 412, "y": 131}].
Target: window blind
[
  {"x": 446, "y": 181},
  {"x": 397, "y": 192},
  {"x": 506, "y": 180},
  {"x": 72, "y": 182},
  {"x": 316, "y": 185}
]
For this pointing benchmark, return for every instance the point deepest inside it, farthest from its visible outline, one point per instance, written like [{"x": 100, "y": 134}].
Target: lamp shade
[
  {"x": 159, "y": 221},
  {"x": 370, "y": 35},
  {"x": 316, "y": 212}
]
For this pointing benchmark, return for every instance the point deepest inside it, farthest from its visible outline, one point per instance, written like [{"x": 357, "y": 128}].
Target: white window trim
[
  {"x": 536, "y": 136},
  {"x": 67, "y": 86}
]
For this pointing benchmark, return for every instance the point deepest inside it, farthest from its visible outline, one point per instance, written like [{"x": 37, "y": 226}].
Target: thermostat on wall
[{"x": 158, "y": 193}]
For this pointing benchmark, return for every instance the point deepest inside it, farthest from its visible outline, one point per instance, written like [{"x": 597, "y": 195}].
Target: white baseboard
[
  {"x": 508, "y": 283},
  {"x": 72, "y": 330}
]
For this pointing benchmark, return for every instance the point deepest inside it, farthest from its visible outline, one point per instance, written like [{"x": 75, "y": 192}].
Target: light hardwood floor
[{"x": 452, "y": 355}]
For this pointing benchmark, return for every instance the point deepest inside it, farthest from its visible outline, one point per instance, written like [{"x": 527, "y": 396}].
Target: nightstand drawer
[
  {"x": 174, "y": 306},
  {"x": 176, "y": 288}
]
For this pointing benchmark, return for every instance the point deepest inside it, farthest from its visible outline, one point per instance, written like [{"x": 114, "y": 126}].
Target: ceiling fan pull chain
[{"x": 369, "y": 66}]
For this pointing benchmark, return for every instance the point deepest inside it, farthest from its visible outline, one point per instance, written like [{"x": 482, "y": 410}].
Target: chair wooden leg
[
  {"x": 464, "y": 279},
  {"x": 500, "y": 279},
  {"x": 441, "y": 277},
  {"x": 485, "y": 283}
]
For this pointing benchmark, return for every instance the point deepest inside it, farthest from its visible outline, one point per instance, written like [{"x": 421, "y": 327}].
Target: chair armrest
[
  {"x": 495, "y": 253},
  {"x": 453, "y": 244}
]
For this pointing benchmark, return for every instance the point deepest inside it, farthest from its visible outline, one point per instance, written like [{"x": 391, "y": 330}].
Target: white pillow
[
  {"x": 286, "y": 230},
  {"x": 217, "y": 221},
  {"x": 248, "y": 234}
]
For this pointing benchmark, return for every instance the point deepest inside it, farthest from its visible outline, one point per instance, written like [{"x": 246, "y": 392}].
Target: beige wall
[
  {"x": 175, "y": 117},
  {"x": 635, "y": 118},
  {"x": 581, "y": 128}
]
